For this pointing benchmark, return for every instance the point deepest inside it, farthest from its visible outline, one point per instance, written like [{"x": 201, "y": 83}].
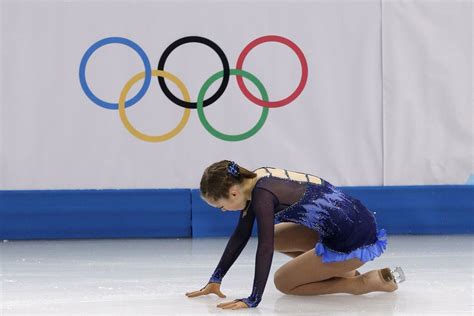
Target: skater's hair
[{"x": 220, "y": 176}]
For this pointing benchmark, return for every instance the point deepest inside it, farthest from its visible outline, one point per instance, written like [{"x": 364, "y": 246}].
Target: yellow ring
[{"x": 133, "y": 130}]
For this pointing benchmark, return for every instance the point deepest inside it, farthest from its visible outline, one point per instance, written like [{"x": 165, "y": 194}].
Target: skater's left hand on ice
[{"x": 235, "y": 304}]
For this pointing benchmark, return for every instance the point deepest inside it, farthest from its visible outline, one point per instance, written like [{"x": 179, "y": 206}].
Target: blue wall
[
  {"x": 53, "y": 214},
  {"x": 95, "y": 214}
]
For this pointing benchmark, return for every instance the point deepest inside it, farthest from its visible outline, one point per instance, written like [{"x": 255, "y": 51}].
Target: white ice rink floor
[{"x": 150, "y": 276}]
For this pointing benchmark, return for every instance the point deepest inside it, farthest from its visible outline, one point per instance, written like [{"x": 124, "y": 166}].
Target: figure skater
[{"x": 327, "y": 233}]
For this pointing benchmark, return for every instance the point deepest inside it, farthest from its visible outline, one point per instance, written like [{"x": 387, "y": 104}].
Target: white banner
[
  {"x": 56, "y": 137},
  {"x": 427, "y": 86},
  {"x": 60, "y": 127}
]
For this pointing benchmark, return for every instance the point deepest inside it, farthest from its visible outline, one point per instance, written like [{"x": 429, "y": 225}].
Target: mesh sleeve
[
  {"x": 263, "y": 205},
  {"x": 234, "y": 247}
]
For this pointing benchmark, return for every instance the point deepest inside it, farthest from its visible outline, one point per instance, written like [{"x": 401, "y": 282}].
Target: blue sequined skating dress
[{"x": 346, "y": 228}]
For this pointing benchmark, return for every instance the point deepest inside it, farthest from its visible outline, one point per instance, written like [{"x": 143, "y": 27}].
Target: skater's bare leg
[
  {"x": 308, "y": 275},
  {"x": 294, "y": 240}
]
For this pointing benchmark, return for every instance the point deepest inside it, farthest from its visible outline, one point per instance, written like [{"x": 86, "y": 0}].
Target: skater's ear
[{"x": 234, "y": 191}]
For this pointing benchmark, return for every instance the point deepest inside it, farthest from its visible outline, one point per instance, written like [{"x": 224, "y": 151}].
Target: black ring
[{"x": 213, "y": 46}]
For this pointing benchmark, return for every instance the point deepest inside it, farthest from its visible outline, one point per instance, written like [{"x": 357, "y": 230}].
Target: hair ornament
[{"x": 233, "y": 169}]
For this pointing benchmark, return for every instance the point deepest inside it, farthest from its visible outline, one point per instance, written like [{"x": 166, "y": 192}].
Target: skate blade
[{"x": 398, "y": 275}]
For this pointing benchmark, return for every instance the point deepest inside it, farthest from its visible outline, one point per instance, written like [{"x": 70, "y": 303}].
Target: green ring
[{"x": 212, "y": 130}]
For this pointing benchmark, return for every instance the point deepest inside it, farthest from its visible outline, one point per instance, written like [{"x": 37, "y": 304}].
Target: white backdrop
[
  {"x": 427, "y": 85},
  {"x": 54, "y": 137}
]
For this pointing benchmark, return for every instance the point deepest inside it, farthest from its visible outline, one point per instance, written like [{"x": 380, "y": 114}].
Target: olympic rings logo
[{"x": 185, "y": 102}]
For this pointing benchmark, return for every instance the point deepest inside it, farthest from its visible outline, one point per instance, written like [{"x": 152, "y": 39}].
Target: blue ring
[{"x": 112, "y": 40}]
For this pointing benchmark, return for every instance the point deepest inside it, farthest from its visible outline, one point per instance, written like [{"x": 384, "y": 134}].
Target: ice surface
[{"x": 150, "y": 276}]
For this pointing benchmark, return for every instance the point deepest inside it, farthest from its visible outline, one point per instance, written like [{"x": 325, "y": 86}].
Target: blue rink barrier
[
  {"x": 54, "y": 214},
  {"x": 153, "y": 213},
  {"x": 440, "y": 209}
]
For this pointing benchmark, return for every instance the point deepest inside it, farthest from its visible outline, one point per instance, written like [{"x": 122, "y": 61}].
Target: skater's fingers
[
  {"x": 220, "y": 294},
  {"x": 239, "y": 305},
  {"x": 231, "y": 306},
  {"x": 196, "y": 293},
  {"x": 225, "y": 304},
  {"x": 192, "y": 294},
  {"x": 235, "y": 305}
]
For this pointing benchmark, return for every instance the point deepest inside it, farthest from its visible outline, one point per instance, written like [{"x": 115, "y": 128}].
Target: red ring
[{"x": 304, "y": 71}]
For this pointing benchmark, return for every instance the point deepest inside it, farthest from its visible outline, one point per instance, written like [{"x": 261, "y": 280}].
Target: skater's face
[{"x": 235, "y": 202}]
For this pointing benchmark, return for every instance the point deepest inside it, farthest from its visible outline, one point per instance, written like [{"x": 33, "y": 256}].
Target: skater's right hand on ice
[{"x": 208, "y": 289}]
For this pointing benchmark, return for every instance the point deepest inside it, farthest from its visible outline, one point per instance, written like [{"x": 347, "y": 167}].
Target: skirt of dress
[
  {"x": 347, "y": 229},
  {"x": 364, "y": 253}
]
